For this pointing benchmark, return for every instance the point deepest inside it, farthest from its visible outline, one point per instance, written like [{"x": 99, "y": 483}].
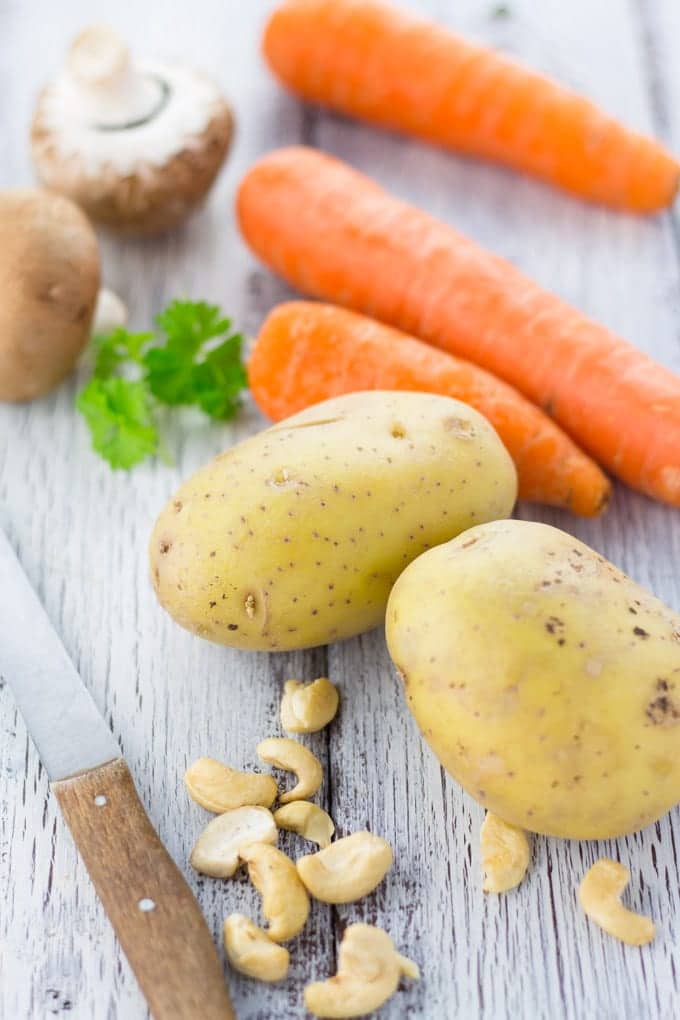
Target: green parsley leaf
[
  {"x": 119, "y": 416},
  {"x": 219, "y": 379},
  {"x": 114, "y": 349},
  {"x": 189, "y": 368},
  {"x": 170, "y": 374},
  {"x": 197, "y": 361},
  {"x": 188, "y": 324}
]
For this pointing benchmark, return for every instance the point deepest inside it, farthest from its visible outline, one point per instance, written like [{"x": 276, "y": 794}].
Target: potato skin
[
  {"x": 295, "y": 537},
  {"x": 546, "y": 681}
]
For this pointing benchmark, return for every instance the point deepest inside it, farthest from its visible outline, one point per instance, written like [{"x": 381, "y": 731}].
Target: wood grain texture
[
  {"x": 156, "y": 917},
  {"x": 82, "y": 532}
]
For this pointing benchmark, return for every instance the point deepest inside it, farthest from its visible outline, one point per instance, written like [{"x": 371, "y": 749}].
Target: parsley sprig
[{"x": 196, "y": 360}]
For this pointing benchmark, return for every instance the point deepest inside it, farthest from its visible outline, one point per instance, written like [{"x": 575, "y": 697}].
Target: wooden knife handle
[{"x": 150, "y": 905}]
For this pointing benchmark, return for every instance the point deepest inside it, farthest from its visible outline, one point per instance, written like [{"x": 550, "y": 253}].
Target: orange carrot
[
  {"x": 335, "y": 234},
  {"x": 307, "y": 352},
  {"x": 372, "y": 61}
]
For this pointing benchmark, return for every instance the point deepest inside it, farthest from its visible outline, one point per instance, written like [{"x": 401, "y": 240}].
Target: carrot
[
  {"x": 336, "y": 235},
  {"x": 307, "y": 352},
  {"x": 372, "y": 61}
]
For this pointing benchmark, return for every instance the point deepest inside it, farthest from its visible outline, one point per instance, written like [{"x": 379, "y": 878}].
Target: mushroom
[
  {"x": 136, "y": 144},
  {"x": 49, "y": 279},
  {"x": 110, "y": 313}
]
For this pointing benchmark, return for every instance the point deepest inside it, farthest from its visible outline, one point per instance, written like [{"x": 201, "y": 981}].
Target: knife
[{"x": 152, "y": 910}]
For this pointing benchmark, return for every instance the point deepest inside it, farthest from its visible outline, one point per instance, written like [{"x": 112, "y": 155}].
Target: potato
[
  {"x": 294, "y": 537},
  {"x": 545, "y": 680}
]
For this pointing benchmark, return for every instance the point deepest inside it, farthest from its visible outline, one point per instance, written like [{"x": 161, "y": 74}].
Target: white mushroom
[
  {"x": 369, "y": 971},
  {"x": 136, "y": 143},
  {"x": 49, "y": 279},
  {"x": 217, "y": 851}
]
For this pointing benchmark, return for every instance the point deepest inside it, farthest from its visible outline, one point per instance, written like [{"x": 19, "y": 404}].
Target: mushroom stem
[
  {"x": 111, "y": 92},
  {"x": 110, "y": 313}
]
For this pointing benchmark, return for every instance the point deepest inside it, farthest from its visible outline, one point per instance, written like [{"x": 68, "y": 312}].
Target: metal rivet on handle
[
  {"x": 146, "y": 905},
  {"x": 100, "y": 800}
]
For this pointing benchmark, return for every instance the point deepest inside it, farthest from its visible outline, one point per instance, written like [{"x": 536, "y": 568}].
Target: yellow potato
[
  {"x": 545, "y": 680},
  {"x": 295, "y": 537}
]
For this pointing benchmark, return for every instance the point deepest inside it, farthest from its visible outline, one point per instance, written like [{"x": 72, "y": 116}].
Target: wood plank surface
[{"x": 82, "y": 532}]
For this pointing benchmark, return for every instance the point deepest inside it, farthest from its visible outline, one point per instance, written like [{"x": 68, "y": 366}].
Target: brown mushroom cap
[
  {"x": 49, "y": 280},
  {"x": 149, "y": 201},
  {"x": 157, "y": 190}
]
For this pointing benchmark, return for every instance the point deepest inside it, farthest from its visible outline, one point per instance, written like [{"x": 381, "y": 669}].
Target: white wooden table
[{"x": 82, "y": 532}]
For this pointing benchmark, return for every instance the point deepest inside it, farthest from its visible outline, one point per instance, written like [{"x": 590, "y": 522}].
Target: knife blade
[
  {"x": 58, "y": 710},
  {"x": 151, "y": 907}
]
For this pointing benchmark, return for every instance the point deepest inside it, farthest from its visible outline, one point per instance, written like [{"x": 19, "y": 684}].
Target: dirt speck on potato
[{"x": 460, "y": 428}]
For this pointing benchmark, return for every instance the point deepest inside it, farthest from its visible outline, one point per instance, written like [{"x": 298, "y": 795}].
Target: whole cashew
[
  {"x": 600, "y": 895},
  {"x": 293, "y": 757},
  {"x": 217, "y": 850},
  {"x": 308, "y": 820},
  {"x": 252, "y": 952},
  {"x": 307, "y": 708},
  {"x": 505, "y": 854},
  {"x": 285, "y": 903},
  {"x": 218, "y": 788},
  {"x": 346, "y": 870},
  {"x": 369, "y": 970}
]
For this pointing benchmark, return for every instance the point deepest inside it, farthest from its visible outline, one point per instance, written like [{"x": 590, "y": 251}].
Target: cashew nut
[
  {"x": 218, "y": 788},
  {"x": 252, "y": 952},
  {"x": 308, "y": 820},
  {"x": 505, "y": 854},
  {"x": 347, "y": 869},
  {"x": 307, "y": 708},
  {"x": 285, "y": 903},
  {"x": 369, "y": 970},
  {"x": 600, "y": 895},
  {"x": 218, "y": 848},
  {"x": 293, "y": 757}
]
